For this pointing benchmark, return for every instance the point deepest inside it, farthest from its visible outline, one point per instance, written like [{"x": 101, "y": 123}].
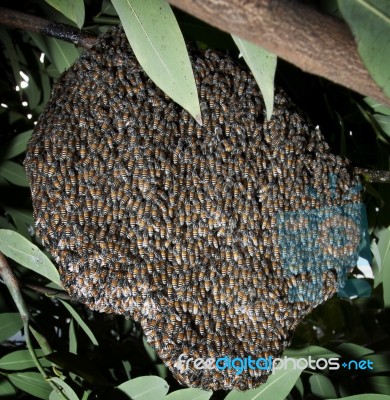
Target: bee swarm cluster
[{"x": 150, "y": 215}]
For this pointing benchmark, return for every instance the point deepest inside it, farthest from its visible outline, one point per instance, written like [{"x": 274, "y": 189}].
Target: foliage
[
  {"x": 370, "y": 23},
  {"x": 88, "y": 355}
]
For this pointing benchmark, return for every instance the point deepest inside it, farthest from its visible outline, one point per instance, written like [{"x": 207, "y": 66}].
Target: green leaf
[
  {"x": 384, "y": 122},
  {"x": 376, "y": 263},
  {"x": 33, "y": 93},
  {"x": 63, "y": 54},
  {"x": 158, "y": 44},
  {"x": 322, "y": 386},
  {"x": 52, "y": 71},
  {"x": 263, "y": 67},
  {"x": 42, "y": 341},
  {"x": 17, "y": 145},
  {"x": 67, "y": 390},
  {"x": 384, "y": 251},
  {"x": 21, "y": 359},
  {"x": 32, "y": 383},
  {"x": 380, "y": 383},
  {"x": 80, "y": 321},
  {"x": 278, "y": 386},
  {"x": 20, "y": 214},
  {"x": 15, "y": 246},
  {"x": 149, "y": 350},
  {"x": 6, "y": 389},
  {"x": 355, "y": 288},
  {"x": 145, "y": 388},
  {"x": 380, "y": 363},
  {"x": 72, "y": 9},
  {"x": 189, "y": 394},
  {"x": 14, "y": 173},
  {"x": 39, "y": 41},
  {"x": 22, "y": 220},
  {"x": 46, "y": 89},
  {"x": 299, "y": 386},
  {"x": 11, "y": 53},
  {"x": 10, "y": 323},
  {"x": 376, "y": 106},
  {"x": 5, "y": 224},
  {"x": 108, "y": 8},
  {"x": 72, "y": 338},
  {"x": 82, "y": 367},
  {"x": 370, "y": 24},
  {"x": 313, "y": 351},
  {"x": 353, "y": 350}
]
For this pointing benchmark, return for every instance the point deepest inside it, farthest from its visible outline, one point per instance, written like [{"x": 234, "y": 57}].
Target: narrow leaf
[
  {"x": 68, "y": 391},
  {"x": 376, "y": 106},
  {"x": 83, "y": 367},
  {"x": 21, "y": 214},
  {"x": 22, "y": 219},
  {"x": 189, "y": 394},
  {"x": 33, "y": 93},
  {"x": 278, "y": 386},
  {"x": 376, "y": 263},
  {"x": 11, "y": 53},
  {"x": 81, "y": 323},
  {"x": 263, "y": 67},
  {"x": 370, "y": 24},
  {"x": 322, "y": 386},
  {"x": 72, "y": 9},
  {"x": 355, "y": 288},
  {"x": 21, "y": 359},
  {"x": 63, "y": 54},
  {"x": 42, "y": 341},
  {"x": 353, "y": 350},
  {"x": 14, "y": 173},
  {"x": 10, "y": 323},
  {"x": 145, "y": 388},
  {"x": 72, "y": 338},
  {"x": 312, "y": 351},
  {"x": 380, "y": 383},
  {"x": 380, "y": 363},
  {"x": 6, "y": 389},
  {"x": 158, "y": 44},
  {"x": 15, "y": 246},
  {"x": 5, "y": 224},
  {"x": 32, "y": 383},
  {"x": 384, "y": 251},
  {"x": 17, "y": 145},
  {"x": 384, "y": 122}
]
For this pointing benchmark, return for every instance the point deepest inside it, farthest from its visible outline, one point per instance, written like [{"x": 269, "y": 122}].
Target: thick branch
[
  {"x": 315, "y": 42},
  {"x": 32, "y": 23}
]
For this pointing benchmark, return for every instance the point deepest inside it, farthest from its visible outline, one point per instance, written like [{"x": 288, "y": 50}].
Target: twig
[
  {"x": 373, "y": 176},
  {"x": 48, "y": 291},
  {"x": 315, "y": 42},
  {"x": 13, "y": 286},
  {"x": 32, "y": 23}
]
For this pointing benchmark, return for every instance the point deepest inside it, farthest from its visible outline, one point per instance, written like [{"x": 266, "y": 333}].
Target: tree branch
[
  {"x": 373, "y": 176},
  {"x": 48, "y": 291},
  {"x": 12, "y": 283},
  {"x": 32, "y": 23},
  {"x": 315, "y": 42}
]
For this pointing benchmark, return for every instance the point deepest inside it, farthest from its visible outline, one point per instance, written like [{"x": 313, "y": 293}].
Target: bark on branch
[
  {"x": 315, "y": 42},
  {"x": 32, "y": 23}
]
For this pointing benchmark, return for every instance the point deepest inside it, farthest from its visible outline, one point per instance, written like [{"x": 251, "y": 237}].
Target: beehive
[{"x": 218, "y": 239}]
